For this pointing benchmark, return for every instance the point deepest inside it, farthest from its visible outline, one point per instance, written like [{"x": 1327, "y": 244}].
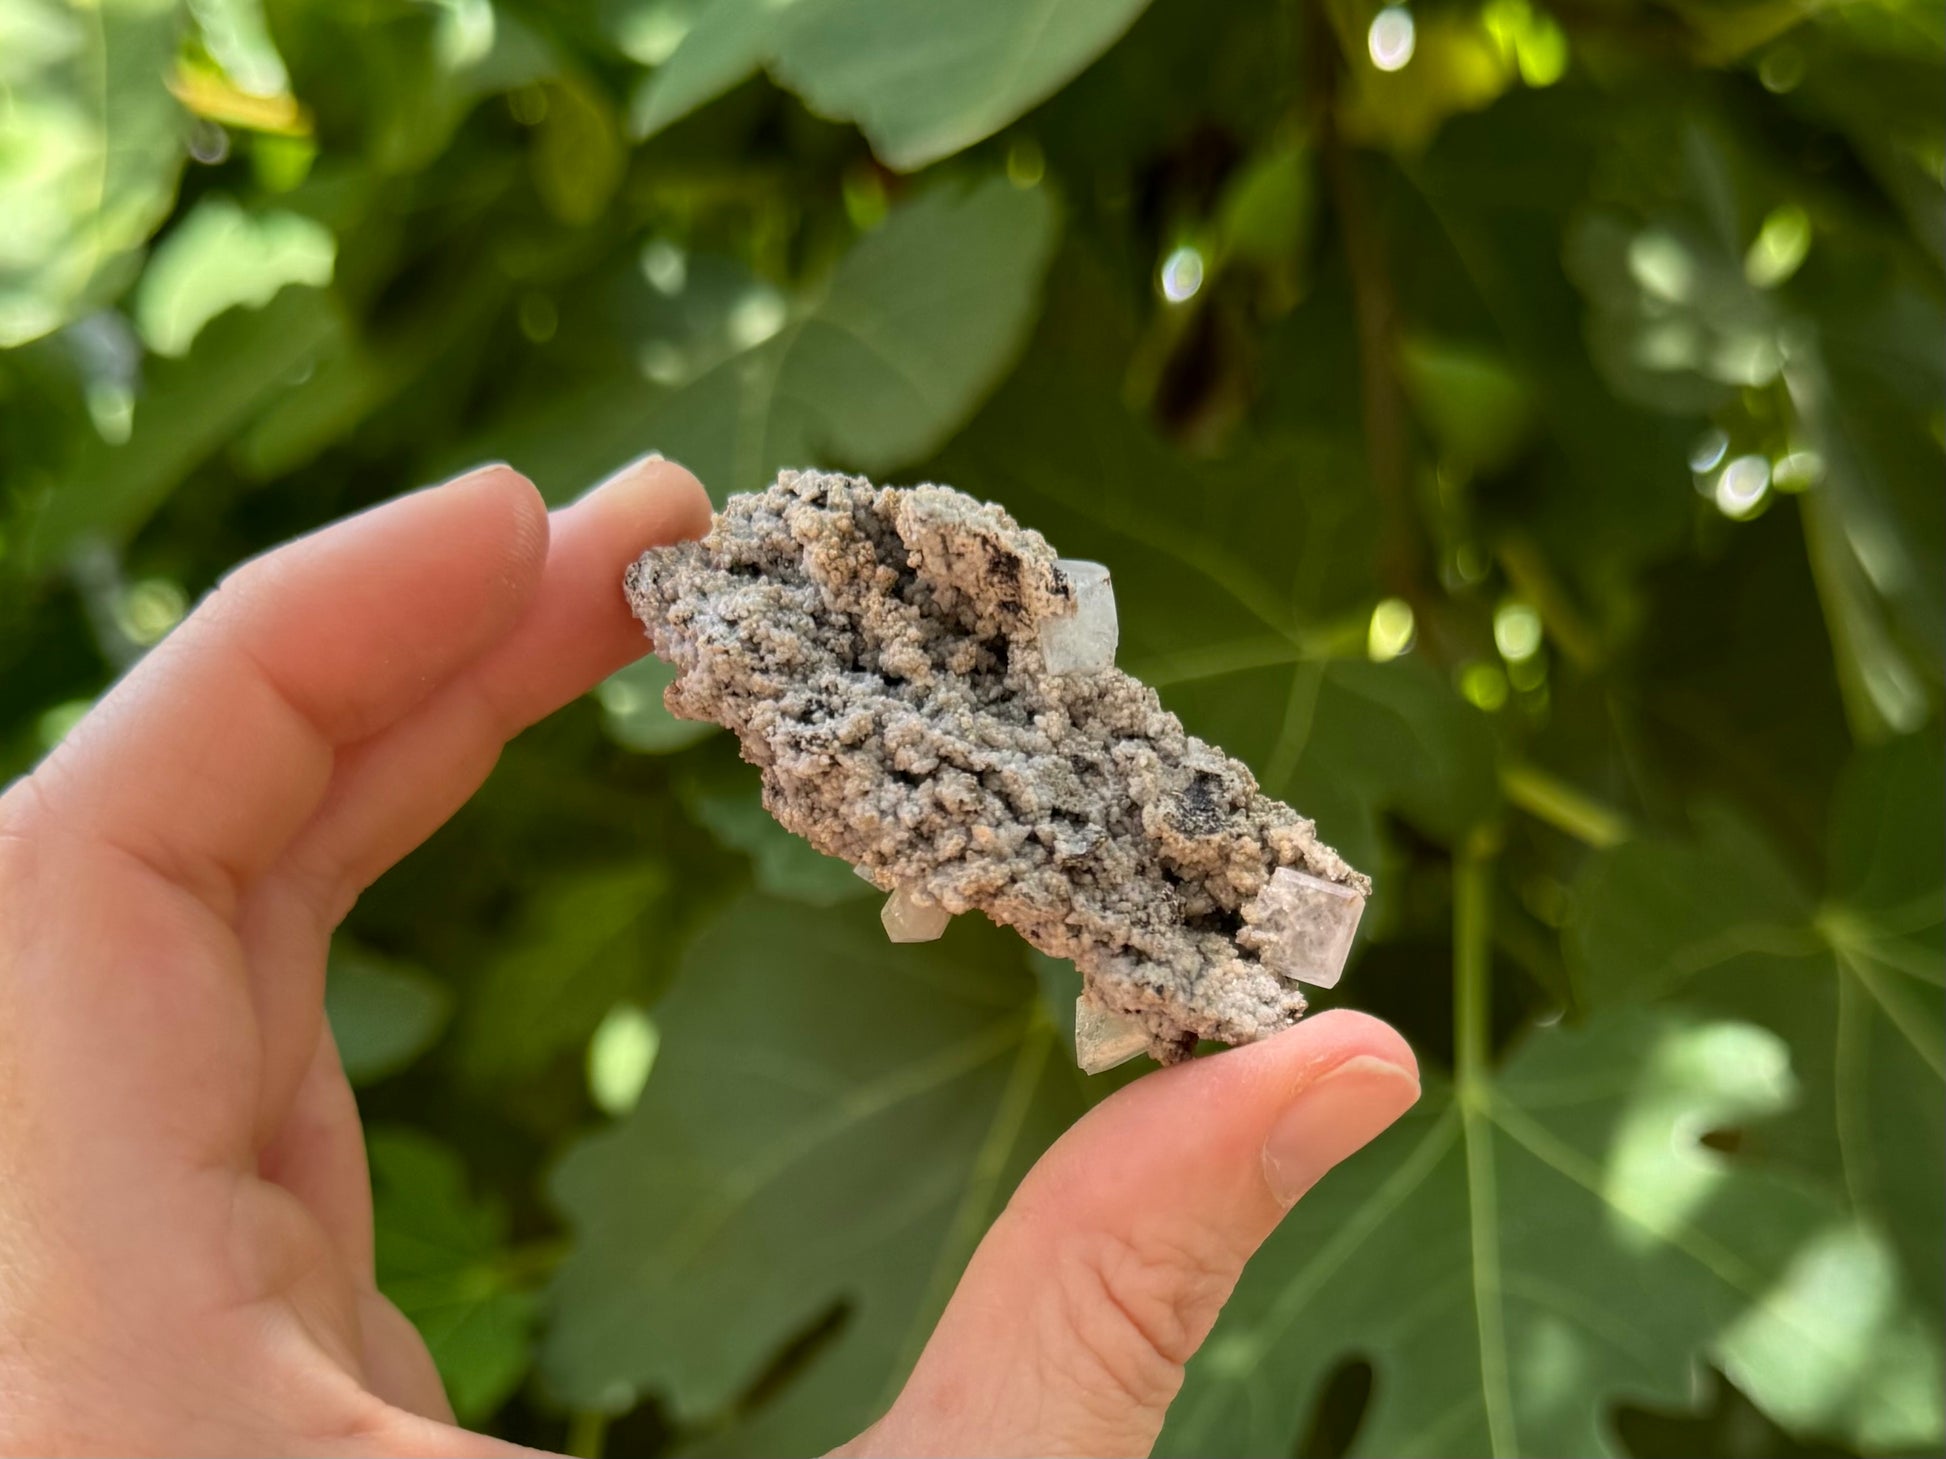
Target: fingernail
[
  {"x": 1332, "y": 1117},
  {"x": 624, "y": 473}
]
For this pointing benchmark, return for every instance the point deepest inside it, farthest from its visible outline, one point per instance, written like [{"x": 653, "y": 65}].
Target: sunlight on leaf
[
  {"x": 220, "y": 257},
  {"x": 90, "y": 150},
  {"x": 1857, "y": 989},
  {"x": 1594, "y": 1289}
]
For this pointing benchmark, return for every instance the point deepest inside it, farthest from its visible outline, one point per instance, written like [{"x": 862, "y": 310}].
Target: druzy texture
[{"x": 881, "y": 653}]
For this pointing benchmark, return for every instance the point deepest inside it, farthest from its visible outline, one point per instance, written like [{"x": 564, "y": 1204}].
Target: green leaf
[
  {"x": 1457, "y": 65},
  {"x": 91, "y": 146},
  {"x": 1478, "y": 409},
  {"x": 392, "y": 82},
  {"x": 724, "y": 47},
  {"x": 1241, "y": 592},
  {"x": 922, "y": 82},
  {"x": 442, "y": 1257},
  {"x": 1269, "y": 206},
  {"x": 580, "y": 946},
  {"x": 1871, "y": 521},
  {"x": 634, "y": 715},
  {"x": 831, "y": 1123},
  {"x": 1501, "y": 192},
  {"x": 786, "y": 866},
  {"x": 1855, "y": 983},
  {"x": 1650, "y": 914},
  {"x": 189, "y": 409},
  {"x": 916, "y": 324},
  {"x": 578, "y": 156},
  {"x": 383, "y": 1014},
  {"x": 220, "y": 257},
  {"x": 1514, "y": 1259}
]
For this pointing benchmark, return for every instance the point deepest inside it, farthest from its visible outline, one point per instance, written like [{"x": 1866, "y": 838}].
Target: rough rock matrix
[{"x": 879, "y": 652}]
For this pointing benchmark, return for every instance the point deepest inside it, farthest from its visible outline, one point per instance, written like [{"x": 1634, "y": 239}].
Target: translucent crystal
[
  {"x": 911, "y": 916},
  {"x": 1104, "y": 1038},
  {"x": 865, "y": 873},
  {"x": 1084, "y": 641},
  {"x": 1305, "y": 925}
]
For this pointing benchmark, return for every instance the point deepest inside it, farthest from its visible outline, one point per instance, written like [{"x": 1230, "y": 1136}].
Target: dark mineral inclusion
[{"x": 883, "y": 656}]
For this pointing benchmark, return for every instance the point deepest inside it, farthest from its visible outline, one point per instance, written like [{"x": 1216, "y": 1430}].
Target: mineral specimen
[{"x": 930, "y": 694}]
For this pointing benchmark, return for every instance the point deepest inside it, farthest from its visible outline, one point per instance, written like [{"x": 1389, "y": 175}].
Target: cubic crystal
[
  {"x": 1104, "y": 1038},
  {"x": 1305, "y": 926},
  {"x": 911, "y": 916},
  {"x": 1084, "y": 641}
]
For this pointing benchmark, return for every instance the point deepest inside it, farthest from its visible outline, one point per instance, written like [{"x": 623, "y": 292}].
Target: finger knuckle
[
  {"x": 1137, "y": 1307},
  {"x": 22, "y": 821}
]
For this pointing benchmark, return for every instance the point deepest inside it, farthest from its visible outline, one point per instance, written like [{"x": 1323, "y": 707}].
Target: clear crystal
[
  {"x": 865, "y": 873},
  {"x": 1104, "y": 1038},
  {"x": 911, "y": 916},
  {"x": 1305, "y": 926},
  {"x": 1084, "y": 641}
]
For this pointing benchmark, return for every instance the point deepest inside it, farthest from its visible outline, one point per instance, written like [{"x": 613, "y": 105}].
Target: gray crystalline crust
[{"x": 876, "y": 651}]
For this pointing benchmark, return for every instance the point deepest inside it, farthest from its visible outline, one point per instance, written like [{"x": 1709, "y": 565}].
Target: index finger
[{"x": 206, "y": 759}]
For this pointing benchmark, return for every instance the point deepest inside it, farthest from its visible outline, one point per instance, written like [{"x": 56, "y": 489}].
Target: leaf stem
[
  {"x": 1404, "y": 557},
  {"x": 1472, "y": 955},
  {"x": 587, "y": 1434},
  {"x": 1472, "y": 1000},
  {"x": 1556, "y": 803}
]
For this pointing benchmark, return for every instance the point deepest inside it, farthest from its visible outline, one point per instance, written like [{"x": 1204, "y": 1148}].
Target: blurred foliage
[{"x": 1516, "y": 429}]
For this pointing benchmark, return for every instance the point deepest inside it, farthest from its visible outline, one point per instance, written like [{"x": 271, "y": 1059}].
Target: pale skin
[{"x": 185, "y": 1212}]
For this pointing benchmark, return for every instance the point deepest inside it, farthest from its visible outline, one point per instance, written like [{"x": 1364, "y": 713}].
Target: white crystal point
[
  {"x": 1084, "y": 641},
  {"x": 864, "y": 873},
  {"x": 1305, "y": 926},
  {"x": 910, "y": 916},
  {"x": 1104, "y": 1038}
]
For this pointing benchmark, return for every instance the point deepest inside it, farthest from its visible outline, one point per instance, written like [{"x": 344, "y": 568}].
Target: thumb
[{"x": 1069, "y": 1331}]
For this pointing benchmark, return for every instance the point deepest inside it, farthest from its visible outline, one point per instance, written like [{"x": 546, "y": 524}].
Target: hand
[{"x": 185, "y": 1214}]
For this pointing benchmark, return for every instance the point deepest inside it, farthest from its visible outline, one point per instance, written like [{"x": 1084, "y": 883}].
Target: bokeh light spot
[
  {"x": 1181, "y": 275},
  {"x": 620, "y": 1056},
  {"x": 1798, "y": 471},
  {"x": 1516, "y": 631},
  {"x": 1484, "y": 685},
  {"x": 757, "y": 316},
  {"x": 1742, "y": 486},
  {"x": 665, "y": 266},
  {"x": 1779, "y": 249},
  {"x": 147, "y": 610},
  {"x": 1391, "y": 630},
  {"x": 1708, "y": 452},
  {"x": 1392, "y": 37}
]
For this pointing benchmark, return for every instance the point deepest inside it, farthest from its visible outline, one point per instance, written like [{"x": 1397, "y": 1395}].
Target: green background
[{"x": 1528, "y": 458}]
